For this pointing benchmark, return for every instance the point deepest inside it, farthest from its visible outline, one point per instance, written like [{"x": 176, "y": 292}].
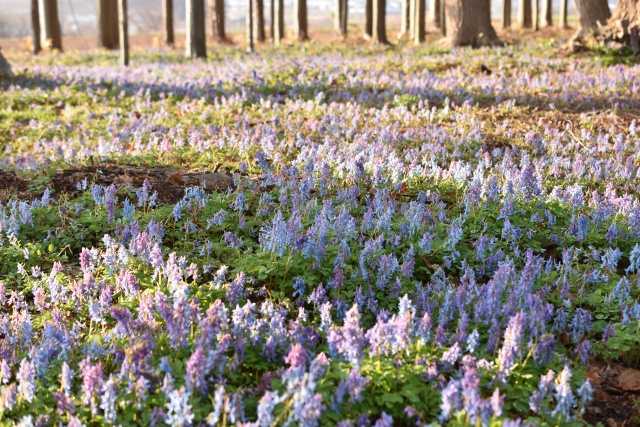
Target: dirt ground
[
  {"x": 169, "y": 183},
  {"x": 322, "y": 35},
  {"x": 616, "y": 395}
]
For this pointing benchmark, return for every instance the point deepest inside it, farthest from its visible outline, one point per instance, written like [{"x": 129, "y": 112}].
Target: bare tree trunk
[
  {"x": 278, "y": 21},
  {"x": 412, "y": 17},
  {"x": 35, "y": 25},
  {"x": 379, "y": 33},
  {"x": 592, "y": 13},
  {"x": 216, "y": 19},
  {"x": 5, "y": 68},
  {"x": 249, "y": 27},
  {"x": 535, "y": 15},
  {"x": 548, "y": 13},
  {"x": 50, "y": 25},
  {"x": 108, "y": 24},
  {"x": 258, "y": 21},
  {"x": 419, "y": 27},
  {"x": 195, "y": 29},
  {"x": 344, "y": 18},
  {"x": 562, "y": 21},
  {"x": 524, "y": 14},
  {"x": 506, "y": 14},
  {"x": 168, "y": 36},
  {"x": 624, "y": 24},
  {"x": 468, "y": 23},
  {"x": 405, "y": 19},
  {"x": 368, "y": 19},
  {"x": 124, "y": 32},
  {"x": 443, "y": 17},
  {"x": 302, "y": 23},
  {"x": 339, "y": 18},
  {"x": 434, "y": 13}
]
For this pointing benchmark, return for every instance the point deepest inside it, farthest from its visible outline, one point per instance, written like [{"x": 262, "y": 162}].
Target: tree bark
[
  {"x": 443, "y": 17},
  {"x": 524, "y": 14},
  {"x": 535, "y": 15},
  {"x": 368, "y": 19},
  {"x": 412, "y": 17},
  {"x": 405, "y": 19},
  {"x": 548, "y": 13},
  {"x": 562, "y": 20},
  {"x": 624, "y": 24},
  {"x": 5, "y": 68},
  {"x": 249, "y": 27},
  {"x": 379, "y": 33},
  {"x": 216, "y": 19},
  {"x": 278, "y": 21},
  {"x": 124, "y": 32},
  {"x": 50, "y": 25},
  {"x": 302, "y": 23},
  {"x": 344, "y": 18},
  {"x": 419, "y": 26},
  {"x": 35, "y": 25},
  {"x": 506, "y": 14},
  {"x": 168, "y": 35},
  {"x": 195, "y": 29},
  {"x": 340, "y": 16},
  {"x": 592, "y": 14},
  {"x": 434, "y": 13},
  {"x": 108, "y": 24},
  {"x": 468, "y": 23},
  {"x": 258, "y": 10}
]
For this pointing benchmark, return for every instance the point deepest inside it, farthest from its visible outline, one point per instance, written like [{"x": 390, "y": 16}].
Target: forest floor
[{"x": 243, "y": 229}]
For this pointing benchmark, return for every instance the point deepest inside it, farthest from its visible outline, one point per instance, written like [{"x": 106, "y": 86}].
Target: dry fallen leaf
[{"x": 629, "y": 380}]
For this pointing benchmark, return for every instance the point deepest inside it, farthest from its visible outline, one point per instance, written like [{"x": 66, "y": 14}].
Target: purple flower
[
  {"x": 26, "y": 377},
  {"x": 511, "y": 346},
  {"x": 385, "y": 420},
  {"x": 565, "y": 400}
]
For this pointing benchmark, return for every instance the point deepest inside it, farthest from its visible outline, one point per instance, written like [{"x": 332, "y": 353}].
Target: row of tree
[{"x": 464, "y": 22}]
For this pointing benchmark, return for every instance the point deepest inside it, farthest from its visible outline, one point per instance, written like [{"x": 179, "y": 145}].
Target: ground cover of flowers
[{"x": 407, "y": 240}]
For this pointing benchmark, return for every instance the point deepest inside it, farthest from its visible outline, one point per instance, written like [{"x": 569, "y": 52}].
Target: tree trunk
[
  {"x": 434, "y": 13},
  {"x": 443, "y": 17},
  {"x": 124, "y": 32},
  {"x": 258, "y": 21},
  {"x": 278, "y": 21},
  {"x": 344, "y": 18},
  {"x": 35, "y": 25},
  {"x": 535, "y": 15},
  {"x": 216, "y": 19},
  {"x": 379, "y": 33},
  {"x": 506, "y": 14},
  {"x": 412, "y": 17},
  {"x": 524, "y": 14},
  {"x": 249, "y": 26},
  {"x": 368, "y": 19},
  {"x": 592, "y": 13},
  {"x": 168, "y": 36},
  {"x": 624, "y": 24},
  {"x": 5, "y": 68},
  {"x": 468, "y": 23},
  {"x": 50, "y": 25},
  {"x": 562, "y": 20},
  {"x": 108, "y": 24},
  {"x": 548, "y": 13},
  {"x": 405, "y": 19},
  {"x": 419, "y": 26},
  {"x": 339, "y": 18},
  {"x": 302, "y": 24},
  {"x": 195, "y": 29}
]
